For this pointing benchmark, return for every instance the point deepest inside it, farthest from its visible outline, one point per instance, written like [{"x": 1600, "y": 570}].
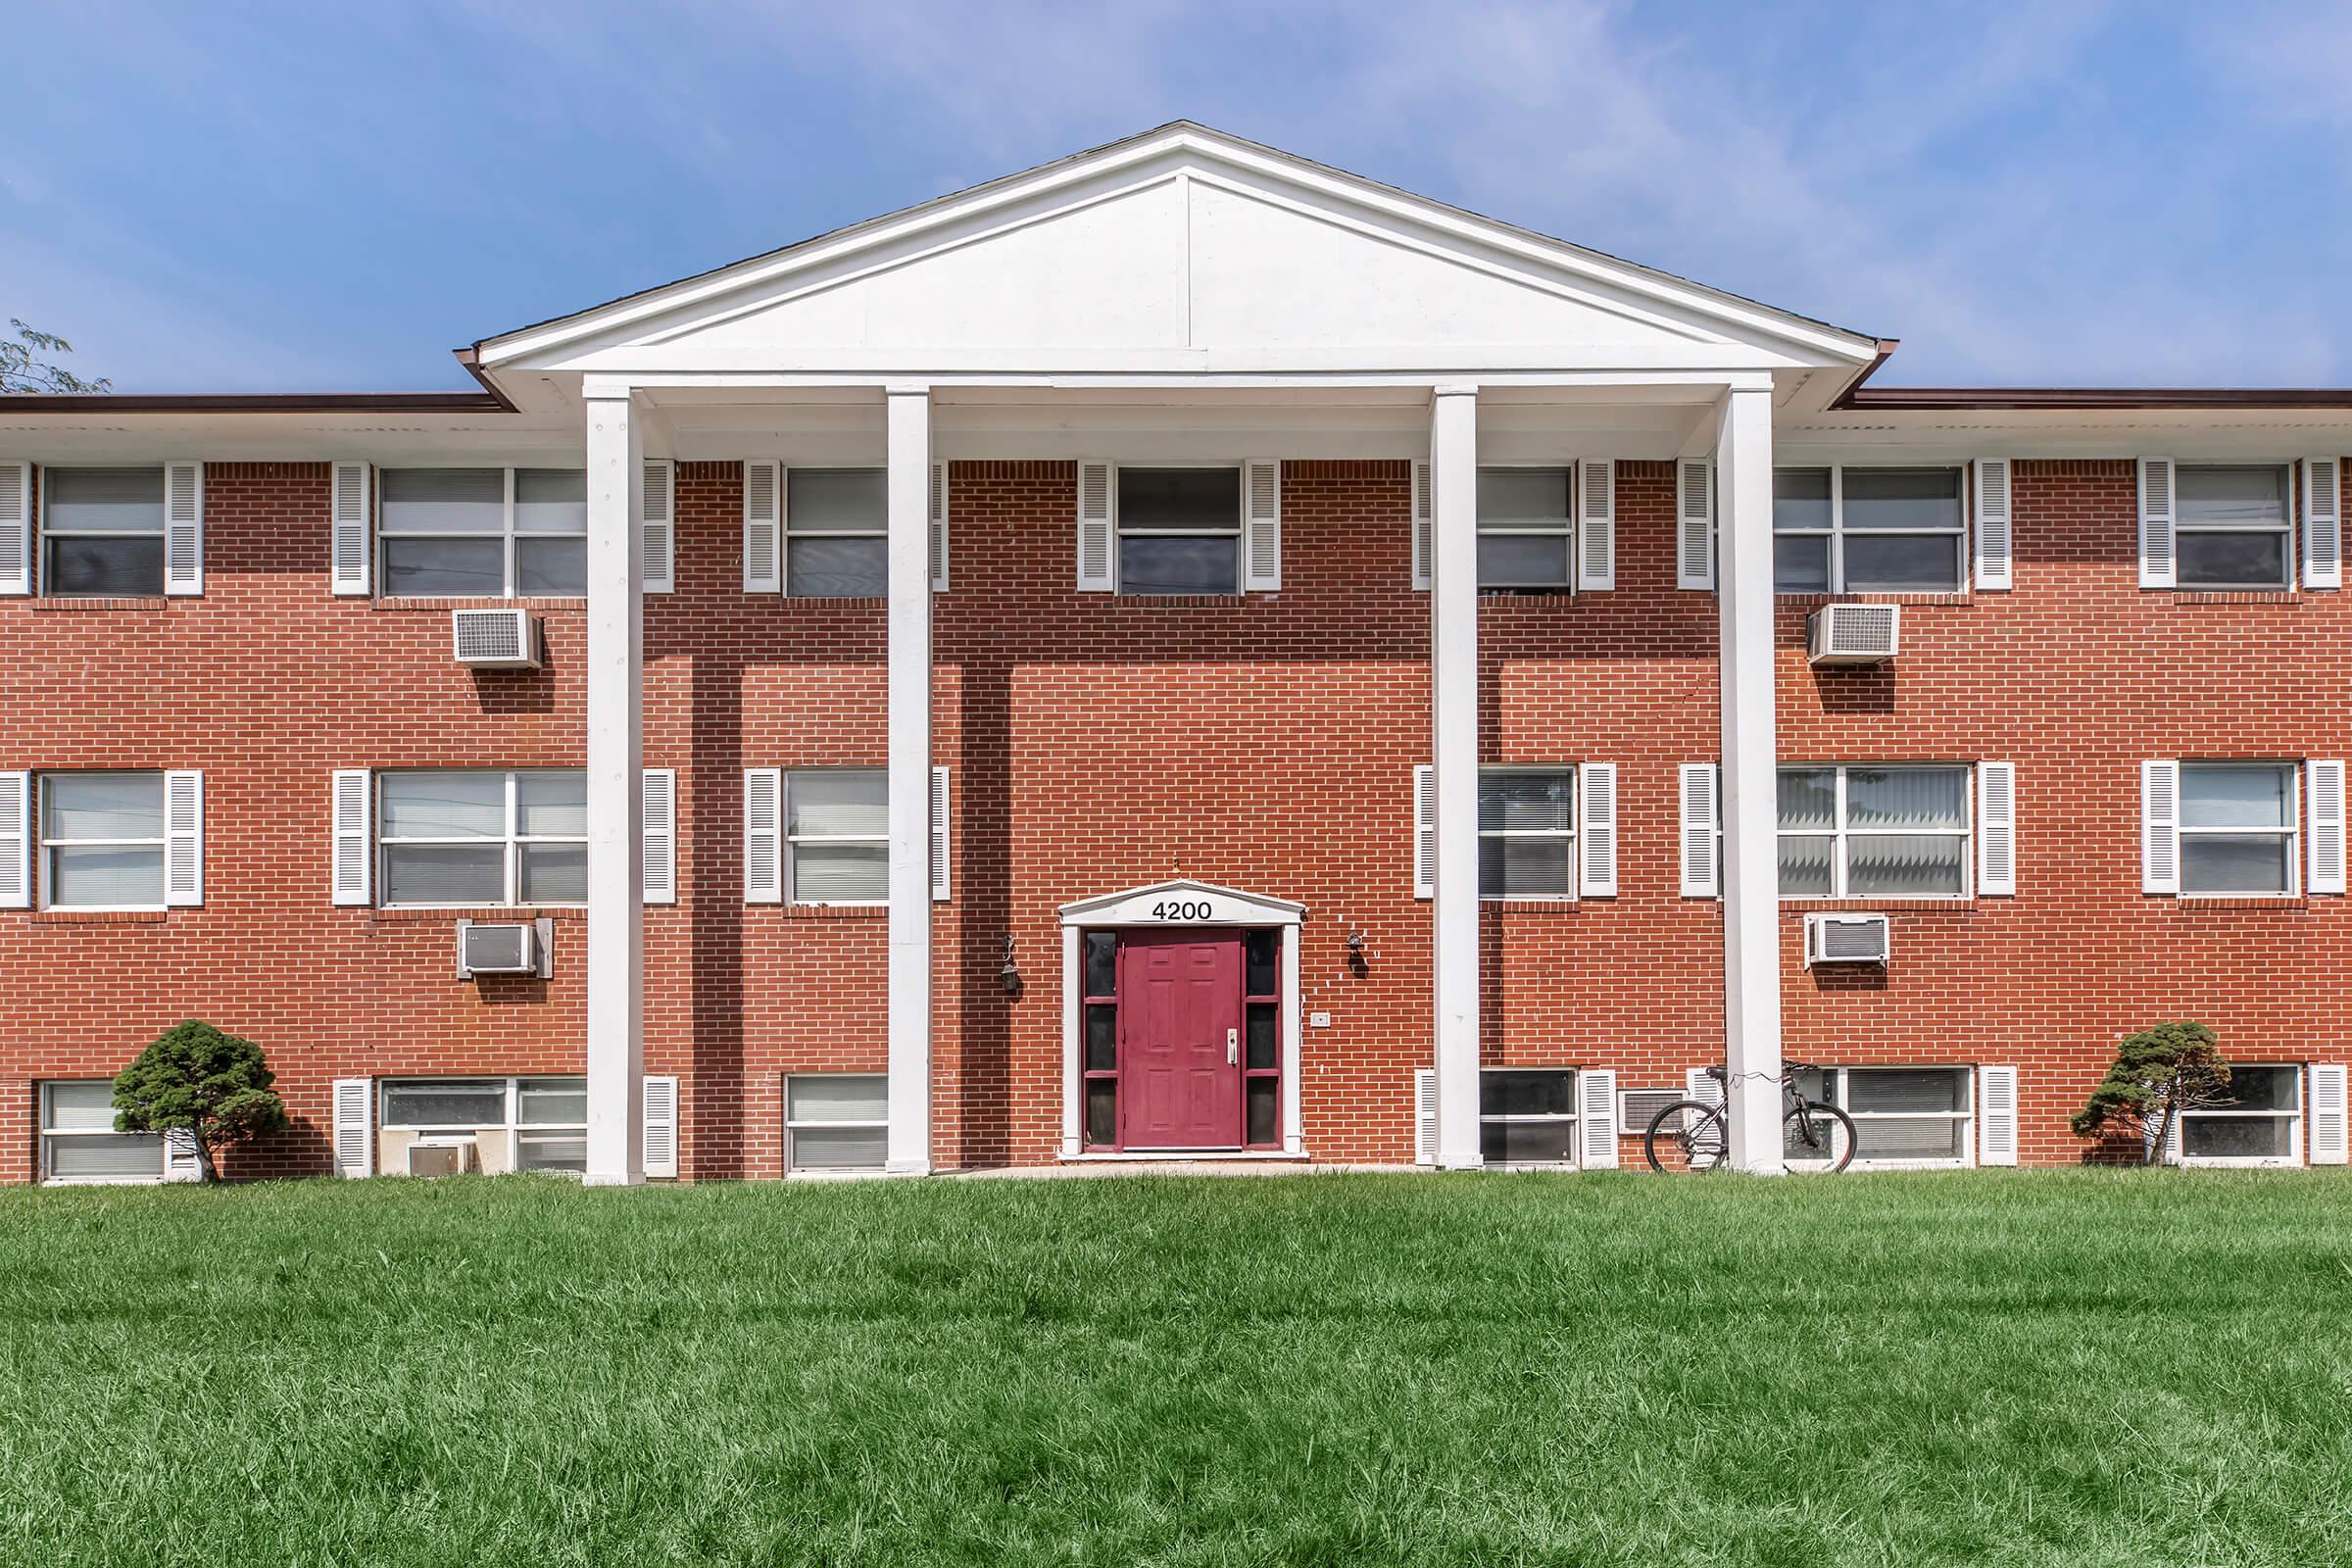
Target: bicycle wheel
[
  {"x": 1692, "y": 1131},
  {"x": 1821, "y": 1140}
]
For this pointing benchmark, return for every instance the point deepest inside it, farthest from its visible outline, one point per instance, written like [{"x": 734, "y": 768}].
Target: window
[
  {"x": 837, "y": 836},
  {"x": 484, "y": 533},
  {"x": 1526, "y": 833},
  {"x": 1902, "y": 1115},
  {"x": 1865, "y": 530},
  {"x": 1099, "y": 1062},
  {"x": 836, "y": 1122},
  {"x": 542, "y": 1121},
  {"x": 1180, "y": 530},
  {"x": 1526, "y": 1117},
  {"x": 102, "y": 841},
  {"x": 453, "y": 840},
  {"x": 1526, "y": 527},
  {"x": 836, "y": 533},
  {"x": 1874, "y": 832},
  {"x": 2231, "y": 527},
  {"x": 2262, "y": 1122},
  {"x": 102, "y": 532},
  {"x": 78, "y": 1141},
  {"x": 2238, "y": 827}
]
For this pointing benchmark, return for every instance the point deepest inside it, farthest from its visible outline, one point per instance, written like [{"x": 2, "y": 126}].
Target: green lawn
[{"x": 2082, "y": 1367}]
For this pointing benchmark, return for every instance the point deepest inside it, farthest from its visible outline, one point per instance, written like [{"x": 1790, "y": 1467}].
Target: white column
[
  {"x": 615, "y": 783},
  {"x": 1073, "y": 1041},
  {"x": 910, "y": 578},
  {"x": 1751, "y": 917},
  {"x": 1453, "y": 728}
]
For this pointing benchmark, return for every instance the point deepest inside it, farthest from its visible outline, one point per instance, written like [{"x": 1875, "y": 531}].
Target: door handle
[{"x": 1233, "y": 1047}]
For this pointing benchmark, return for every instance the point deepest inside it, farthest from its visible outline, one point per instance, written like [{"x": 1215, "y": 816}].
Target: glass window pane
[
  {"x": 1800, "y": 565},
  {"x": 547, "y": 1152},
  {"x": 1523, "y": 495},
  {"x": 1525, "y": 799},
  {"x": 1180, "y": 498},
  {"x": 2231, "y": 560},
  {"x": 1522, "y": 560},
  {"x": 839, "y": 1148},
  {"x": 1523, "y": 1143},
  {"x": 1895, "y": 866},
  {"x": 90, "y": 878},
  {"x": 1541, "y": 1093},
  {"x": 551, "y": 501},
  {"x": 1102, "y": 1112},
  {"x": 1809, "y": 796},
  {"x": 445, "y": 874},
  {"x": 555, "y": 873},
  {"x": 1801, "y": 498},
  {"x": 443, "y": 805},
  {"x": 2237, "y": 795},
  {"x": 1101, "y": 964},
  {"x": 832, "y": 500},
  {"x": 1902, "y": 497},
  {"x": 457, "y": 569},
  {"x": 1524, "y": 867},
  {"x": 1895, "y": 563},
  {"x": 840, "y": 873},
  {"x": 105, "y": 500},
  {"x": 826, "y": 1097},
  {"x": 552, "y": 804},
  {"x": 840, "y": 800},
  {"x": 110, "y": 1156},
  {"x": 2255, "y": 862},
  {"x": 1261, "y": 1107},
  {"x": 551, "y": 1101},
  {"x": 443, "y": 500},
  {"x": 551, "y": 567},
  {"x": 2254, "y": 1087},
  {"x": 837, "y": 568},
  {"x": 459, "y": 1102},
  {"x": 1264, "y": 1037},
  {"x": 2229, "y": 496},
  {"x": 1806, "y": 867},
  {"x": 84, "y": 1106},
  {"x": 98, "y": 568},
  {"x": 1261, "y": 952},
  {"x": 1102, "y": 1038},
  {"x": 2237, "y": 1137},
  {"x": 1905, "y": 796},
  {"x": 1942, "y": 1139},
  {"x": 102, "y": 806},
  {"x": 1149, "y": 565},
  {"x": 1891, "y": 1089}
]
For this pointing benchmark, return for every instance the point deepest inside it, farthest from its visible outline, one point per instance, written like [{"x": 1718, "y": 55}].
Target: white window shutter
[
  {"x": 1702, "y": 822},
  {"x": 16, "y": 841},
  {"x": 2322, "y": 522},
  {"x": 1996, "y": 1116},
  {"x": 1996, "y": 829},
  {"x": 15, "y": 527},
  {"x": 1098, "y": 521},
  {"x": 661, "y": 797},
  {"x": 180, "y": 1163},
  {"x": 763, "y": 835},
  {"x": 352, "y": 502},
  {"x": 1596, "y": 830},
  {"x": 2160, "y": 827},
  {"x": 355, "y": 1127},
  {"x": 2330, "y": 1118},
  {"x": 660, "y": 1124},
  {"x": 1702, "y": 1086},
  {"x": 2156, "y": 522},
  {"x": 938, "y": 527},
  {"x": 1694, "y": 523},
  {"x": 183, "y": 528},
  {"x": 1425, "y": 1116},
  {"x": 1994, "y": 501},
  {"x": 1596, "y": 1118},
  {"x": 763, "y": 527},
  {"x": 1596, "y": 524},
  {"x": 183, "y": 837},
  {"x": 1261, "y": 525},
  {"x": 939, "y": 834},
  {"x": 2324, "y": 790},
  {"x": 1425, "y": 526},
  {"x": 352, "y": 860},
  {"x": 1425, "y": 832},
  {"x": 659, "y": 522}
]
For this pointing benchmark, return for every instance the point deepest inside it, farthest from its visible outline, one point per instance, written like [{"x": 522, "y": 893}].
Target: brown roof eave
[
  {"x": 489, "y": 400},
  {"x": 1925, "y": 399}
]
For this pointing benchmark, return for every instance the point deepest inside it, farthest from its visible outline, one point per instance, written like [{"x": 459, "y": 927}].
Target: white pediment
[{"x": 1182, "y": 902}]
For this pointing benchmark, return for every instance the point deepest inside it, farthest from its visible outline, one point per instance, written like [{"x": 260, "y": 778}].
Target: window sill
[
  {"x": 67, "y": 605},
  {"x": 575, "y": 604},
  {"x": 1909, "y": 905},
  {"x": 1190, "y": 600},
  {"x": 831, "y": 601},
  {"x": 490, "y": 914},
  {"x": 832, "y": 911},
  {"x": 100, "y": 916},
  {"x": 1962, "y": 598},
  {"x": 2240, "y": 901},
  {"x": 1511, "y": 905},
  {"x": 2196, "y": 597}
]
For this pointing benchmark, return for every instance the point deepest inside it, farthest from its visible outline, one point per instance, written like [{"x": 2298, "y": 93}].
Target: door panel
[{"x": 1180, "y": 1013}]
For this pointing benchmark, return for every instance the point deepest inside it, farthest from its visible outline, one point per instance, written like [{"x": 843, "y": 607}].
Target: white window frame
[
  {"x": 510, "y": 1122},
  {"x": 39, "y": 565},
  {"x": 1574, "y": 1158},
  {"x": 1837, "y": 1090},
  {"x": 1120, "y": 531},
  {"x": 511, "y": 841},
  {"x": 1840, "y": 833},
  {"x": 2289, "y": 560},
  {"x": 2296, "y": 1120},
  {"x": 1536, "y": 528},
  {"x": 2293, "y": 827},
  {"x": 790, "y": 533},
  {"x": 46, "y": 1134},
  {"x": 792, "y": 1124},
  {"x": 1835, "y": 534},
  {"x": 509, "y": 554},
  {"x": 1575, "y": 791},
  {"x": 793, "y": 842},
  {"x": 160, "y": 844}
]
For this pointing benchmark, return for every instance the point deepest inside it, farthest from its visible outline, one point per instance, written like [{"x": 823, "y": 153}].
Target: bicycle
[{"x": 1697, "y": 1131}]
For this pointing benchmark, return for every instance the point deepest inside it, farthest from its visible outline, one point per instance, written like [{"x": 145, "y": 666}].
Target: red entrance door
[{"x": 1180, "y": 1023}]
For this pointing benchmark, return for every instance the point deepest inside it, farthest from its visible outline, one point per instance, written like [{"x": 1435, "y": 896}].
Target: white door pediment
[{"x": 1182, "y": 902}]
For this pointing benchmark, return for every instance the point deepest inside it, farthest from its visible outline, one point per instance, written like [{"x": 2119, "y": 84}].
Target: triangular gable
[{"x": 1183, "y": 900}]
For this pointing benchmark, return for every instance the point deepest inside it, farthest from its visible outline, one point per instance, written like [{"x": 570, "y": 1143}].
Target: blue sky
[{"x": 320, "y": 197}]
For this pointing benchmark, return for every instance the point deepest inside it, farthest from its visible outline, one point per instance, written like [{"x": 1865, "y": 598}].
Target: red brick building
[{"x": 1178, "y": 654}]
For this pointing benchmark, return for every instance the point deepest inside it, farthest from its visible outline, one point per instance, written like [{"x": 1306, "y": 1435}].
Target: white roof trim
[{"x": 1253, "y": 907}]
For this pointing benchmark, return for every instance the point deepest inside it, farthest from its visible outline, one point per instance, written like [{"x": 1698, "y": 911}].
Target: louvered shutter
[
  {"x": 2323, "y": 523},
  {"x": 2329, "y": 1120},
  {"x": 2156, "y": 522},
  {"x": 1425, "y": 832},
  {"x": 763, "y": 527},
  {"x": 1701, "y": 817},
  {"x": 659, "y": 522},
  {"x": 1425, "y": 526},
  {"x": 355, "y": 1127},
  {"x": 183, "y": 837},
  {"x": 1695, "y": 524},
  {"x": 1425, "y": 1116},
  {"x": 1702, "y": 1086},
  {"x": 1261, "y": 524},
  {"x": 180, "y": 1163},
  {"x": 350, "y": 502},
  {"x": 1596, "y": 524},
  {"x": 2160, "y": 827},
  {"x": 939, "y": 834},
  {"x": 660, "y": 1124},
  {"x": 1706, "y": 1148},
  {"x": 2324, "y": 785},
  {"x": 1596, "y": 1118},
  {"x": 763, "y": 835},
  {"x": 16, "y": 841},
  {"x": 1994, "y": 503},
  {"x": 938, "y": 527},
  {"x": 350, "y": 860},
  {"x": 15, "y": 527},
  {"x": 183, "y": 528},
  {"x": 1996, "y": 828},
  {"x": 1097, "y": 518},
  {"x": 661, "y": 797},
  {"x": 1596, "y": 830},
  {"x": 1996, "y": 1116}
]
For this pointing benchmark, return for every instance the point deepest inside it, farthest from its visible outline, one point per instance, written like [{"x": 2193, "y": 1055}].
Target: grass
[{"x": 2116, "y": 1367}]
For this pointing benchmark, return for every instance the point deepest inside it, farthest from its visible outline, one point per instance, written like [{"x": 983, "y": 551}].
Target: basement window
[
  {"x": 78, "y": 1141},
  {"x": 2232, "y": 529},
  {"x": 102, "y": 533},
  {"x": 1527, "y": 1116},
  {"x": 836, "y": 533},
  {"x": 1180, "y": 530},
  {"x": 1903, "y": 1116},
  {"x": 524, "y": 1124},
  {"x": 836, "y": 1122},
  {"x": 2261, "y": 1124}
]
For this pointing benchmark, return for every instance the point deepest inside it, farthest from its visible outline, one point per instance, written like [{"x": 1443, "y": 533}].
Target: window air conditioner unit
[
  {"x": 1846, "y": 939},
  {"x": 441, "y": 1157},
  {"x": 1636, "y": 1108},
  {"x": 1855, "y": 634},
  {"x": 518, "y": 947},
  {"x": 495, "y": 639}
]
